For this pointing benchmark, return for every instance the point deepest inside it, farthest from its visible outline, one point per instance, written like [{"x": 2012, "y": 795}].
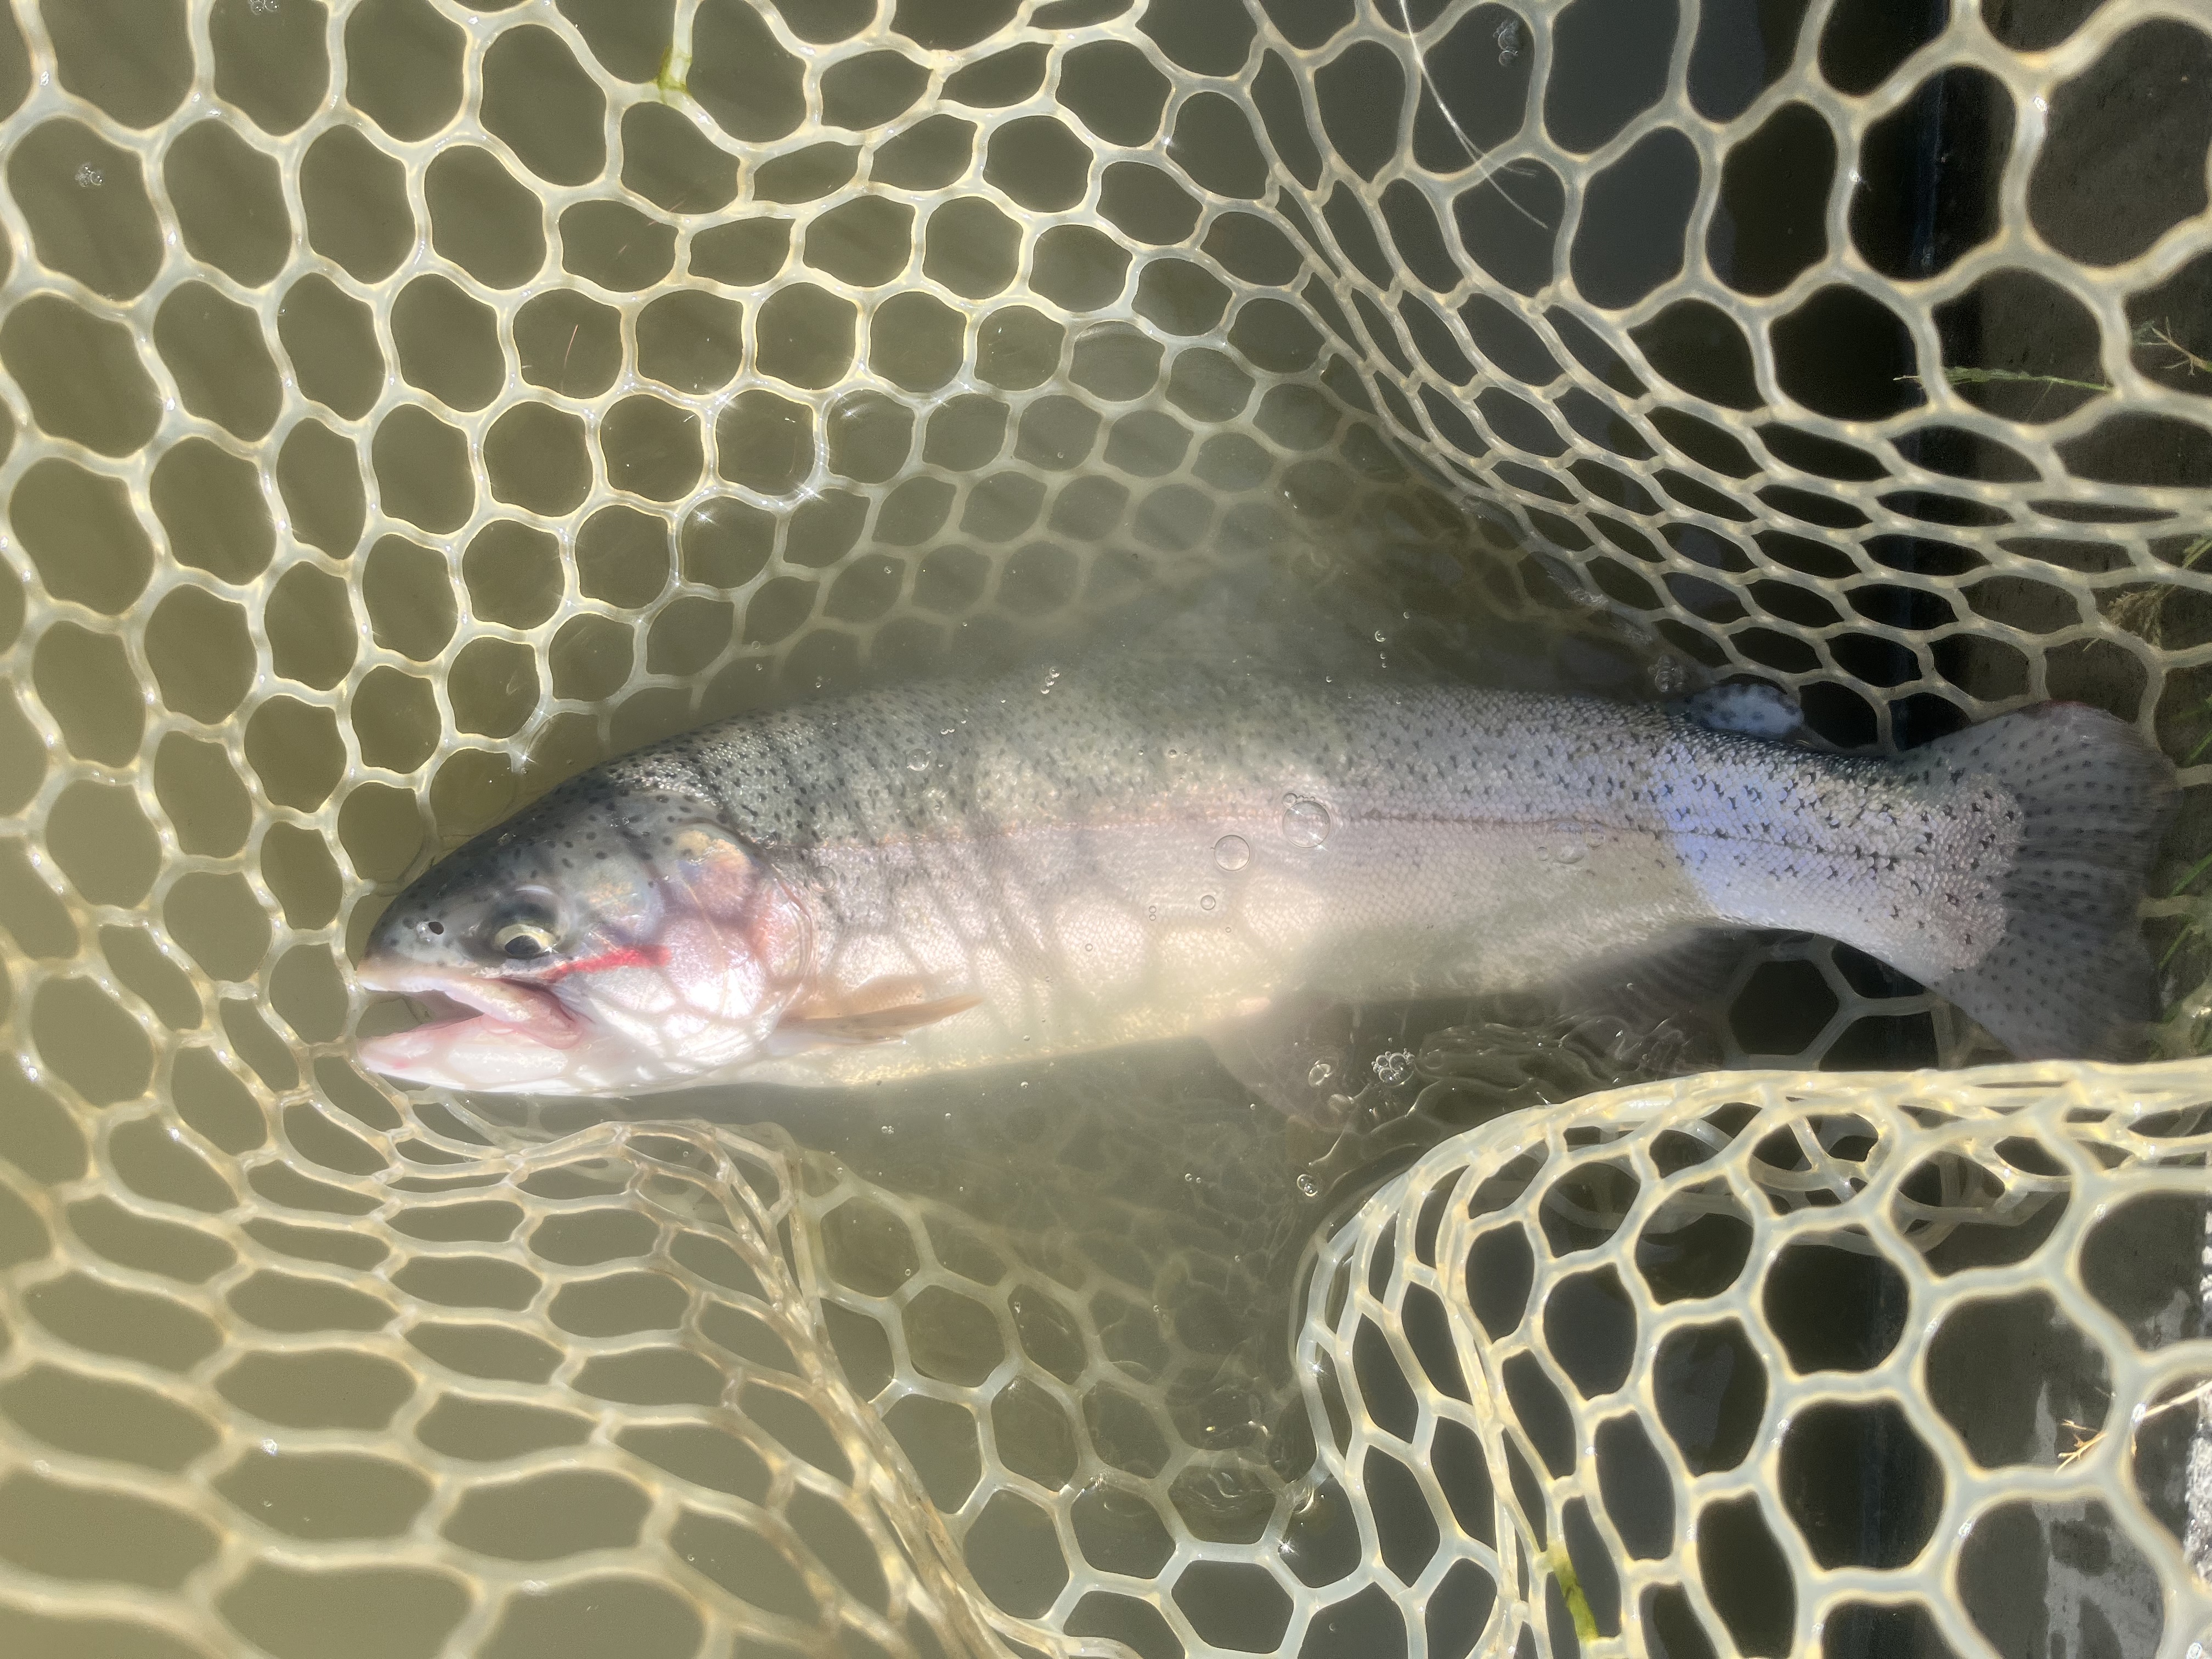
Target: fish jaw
[
  {"x": 698, "y": 1004},
  {"x": 520, "y": 1037}
]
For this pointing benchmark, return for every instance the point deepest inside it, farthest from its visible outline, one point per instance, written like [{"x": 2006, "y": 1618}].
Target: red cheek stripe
[{"x": 630, "y": 956}]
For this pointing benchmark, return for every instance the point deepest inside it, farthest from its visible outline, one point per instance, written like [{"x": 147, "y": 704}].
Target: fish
[{"x": 934, "y": 879}]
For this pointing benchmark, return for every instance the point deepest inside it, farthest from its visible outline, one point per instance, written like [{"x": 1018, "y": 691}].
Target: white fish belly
[{"x": 1080, "y": 940}]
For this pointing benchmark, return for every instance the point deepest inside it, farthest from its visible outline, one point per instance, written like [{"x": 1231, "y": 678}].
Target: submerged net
[{"x": 410, "y": 406}]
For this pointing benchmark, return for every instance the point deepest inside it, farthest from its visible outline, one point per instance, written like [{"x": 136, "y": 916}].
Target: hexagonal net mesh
[{"x": 408, "y": 406}]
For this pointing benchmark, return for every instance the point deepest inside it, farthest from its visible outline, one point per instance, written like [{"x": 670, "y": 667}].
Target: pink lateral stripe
[{"x": 629, "y": 956}]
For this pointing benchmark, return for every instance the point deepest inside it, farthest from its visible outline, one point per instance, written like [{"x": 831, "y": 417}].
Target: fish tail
[{"x": 2070, "y": 974}]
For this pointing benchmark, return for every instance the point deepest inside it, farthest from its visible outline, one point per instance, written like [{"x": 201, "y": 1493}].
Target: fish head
[{"x": 605, "y": 941}]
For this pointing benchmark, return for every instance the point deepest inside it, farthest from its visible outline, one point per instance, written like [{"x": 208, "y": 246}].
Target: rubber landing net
[{"x": 407, "y": 406}]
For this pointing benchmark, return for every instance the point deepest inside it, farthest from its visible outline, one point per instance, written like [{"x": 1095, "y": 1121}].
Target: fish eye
[{"x": 519, "y": 941}]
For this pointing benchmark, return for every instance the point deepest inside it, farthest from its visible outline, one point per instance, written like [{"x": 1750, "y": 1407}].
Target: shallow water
[{"x": 418, "y": 407}]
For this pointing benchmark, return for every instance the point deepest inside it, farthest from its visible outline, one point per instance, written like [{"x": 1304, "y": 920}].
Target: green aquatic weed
[
  {"x": 2146, "y": 333},
  {"x": 2161, "y": 334},
  {"x": 673, "y": 81},
  {"x": 1578, "y": 1607},
  {"x": 1960, "y": 376},
  {"x": 2141, "y": 612}
]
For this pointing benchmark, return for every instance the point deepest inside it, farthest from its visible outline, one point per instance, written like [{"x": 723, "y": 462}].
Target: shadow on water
[{"x": 1147, "y": 1194}]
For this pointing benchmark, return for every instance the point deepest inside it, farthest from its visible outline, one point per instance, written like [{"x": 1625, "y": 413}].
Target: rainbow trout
[{"x": 933, "y": 878}]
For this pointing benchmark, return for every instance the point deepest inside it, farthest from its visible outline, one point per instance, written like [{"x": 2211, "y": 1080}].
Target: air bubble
[
  {"x": 1309, "y": 1185},
  {"x": 1393, "y": 1067},
  {"x": 917, "y": 761},
  {"x": 1669, "y": 677},
  {"x": 1305, "y": 823},
  {"x": 1232, "y": 852},
  {"x": 1569, "y": 853},
  {"x": 1320, "y": 1073},
  {"x": 1207, "y": 903}
]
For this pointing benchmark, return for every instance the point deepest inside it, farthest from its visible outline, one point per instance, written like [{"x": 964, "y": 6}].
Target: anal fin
[
  {"x": 1295, "y": 1055},
  {"x": 1750, "y": 708},
  {"x": 1685, "y": 971}
]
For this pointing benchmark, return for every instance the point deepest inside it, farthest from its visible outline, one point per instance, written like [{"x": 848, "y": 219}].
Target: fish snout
[{"x": 480, "y": 1026}]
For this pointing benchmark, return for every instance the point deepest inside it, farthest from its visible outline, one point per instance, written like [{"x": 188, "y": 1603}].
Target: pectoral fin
[{"x": 846, "y": 1029}]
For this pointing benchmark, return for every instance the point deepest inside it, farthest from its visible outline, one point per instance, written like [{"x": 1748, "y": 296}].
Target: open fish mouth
[{"x": 488, "y": 1007}]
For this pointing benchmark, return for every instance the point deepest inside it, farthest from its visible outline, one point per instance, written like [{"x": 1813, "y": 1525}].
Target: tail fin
[{"x": 2071, "y": 975}]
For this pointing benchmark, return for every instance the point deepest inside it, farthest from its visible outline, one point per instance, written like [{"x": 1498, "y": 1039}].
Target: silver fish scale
[
  {"x": 847, "y": 772},
  {"x": 1115, "y": 748},
  {"x": 1464, "y": 841},
  {"x": 412, "y": 406}
]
